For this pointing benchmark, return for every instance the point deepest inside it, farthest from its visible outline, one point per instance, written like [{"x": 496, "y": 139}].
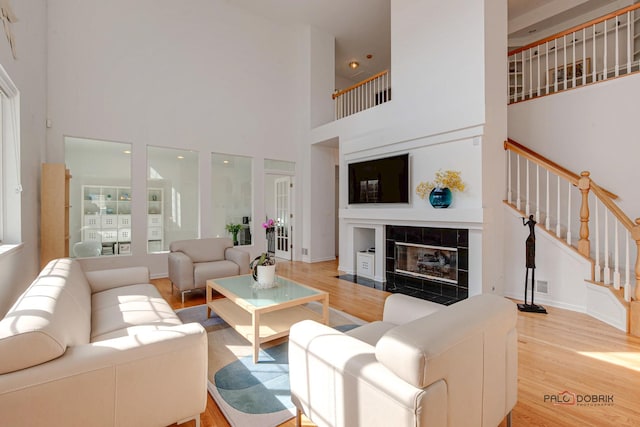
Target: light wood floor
[{"x": 560, "y": 351}]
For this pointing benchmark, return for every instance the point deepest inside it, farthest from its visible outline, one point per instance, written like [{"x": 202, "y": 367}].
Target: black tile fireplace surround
[{"x": 427, "y": 288}]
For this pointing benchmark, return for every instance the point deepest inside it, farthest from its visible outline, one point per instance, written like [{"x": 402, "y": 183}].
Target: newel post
[
  {"x": 584, "y": 184},
  {"x": 634, "y": 317},
  {"x": 635, "y": 234}
]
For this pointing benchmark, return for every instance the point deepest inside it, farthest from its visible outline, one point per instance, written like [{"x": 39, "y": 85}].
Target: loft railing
[
  {"x": 560, "y": 202},
  {"x": 364, "y": 95},
  {"x": 601, "y": 49}
]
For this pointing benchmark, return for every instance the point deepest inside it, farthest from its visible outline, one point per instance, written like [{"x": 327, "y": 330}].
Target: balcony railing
[
  {"x": 598, "y": 50},
  {"x": 368, "y": 93}
]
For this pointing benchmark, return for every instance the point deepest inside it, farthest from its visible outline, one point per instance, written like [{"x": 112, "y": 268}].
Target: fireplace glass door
[{"x": 431, "y": 262}]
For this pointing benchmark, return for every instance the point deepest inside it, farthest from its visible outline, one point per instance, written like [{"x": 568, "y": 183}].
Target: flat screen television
[{"x": 384, "y": 180}]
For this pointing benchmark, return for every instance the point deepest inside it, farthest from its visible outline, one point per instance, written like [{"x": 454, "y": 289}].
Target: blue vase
[{"x": 440, "y": 198}]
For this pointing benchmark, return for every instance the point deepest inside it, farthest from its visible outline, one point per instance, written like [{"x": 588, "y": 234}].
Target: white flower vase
[{"x": 266, "y": 276}]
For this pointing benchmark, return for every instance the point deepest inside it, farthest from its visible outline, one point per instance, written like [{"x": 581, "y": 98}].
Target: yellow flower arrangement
[{"x": 444, "y": 179}]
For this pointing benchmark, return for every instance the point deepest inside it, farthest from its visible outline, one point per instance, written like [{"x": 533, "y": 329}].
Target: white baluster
[
  {"x": 538, "y": 71},
  {"x": 627, "y": 270},
  {"x": 555, "y": 65},
  {"x": 597, "y": 266},
  {"x": 527, "y": 202},
  {"x": 537, "y": 192},
  {"x": 530, "y": 75},
  {"x": 509, "y": 190},
  {"x": 585, "y": 70},
  {"x": 547, "y": 220},
  {"x": 629, "y": 42},
  {"x": 558, "y": 213},
  {"x": 573, "y": 56},
  {"x": 569, "y": 215},
  {"x": 607, "y": 270},
  {"x": 617, "y": 65},
  {"x": 594, "y": 77},
  {"x": 616, "y": 257},
  {"x": 522, "y": 90},
  {"x": 546, "y": 58},
  {"x": 518, "y": 199},
  {"x": 604, "y": 55}
]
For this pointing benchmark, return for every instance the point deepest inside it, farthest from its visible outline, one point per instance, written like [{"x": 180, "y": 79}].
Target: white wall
[
  {"x": 322, "y": 177},
  {"x": 322, "y": 76},
  {"x": 594, "y": 128},
  {"x": 438, "y": 62},
  {"x": 205, "y": 76},
  {"x": 495, "y": 132},
  {"x": 448, "y": 110},
  {"x": 20, "y": 267}
]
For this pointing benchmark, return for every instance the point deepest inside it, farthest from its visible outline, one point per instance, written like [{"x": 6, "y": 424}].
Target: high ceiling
[{"x": 362, "y": 27}]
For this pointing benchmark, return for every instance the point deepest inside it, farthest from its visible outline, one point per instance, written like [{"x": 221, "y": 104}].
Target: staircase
[{"x": 578, "y": 216}]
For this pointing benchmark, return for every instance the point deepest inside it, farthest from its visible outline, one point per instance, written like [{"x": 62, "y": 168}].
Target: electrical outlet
[{"x": 305, "y": 251}]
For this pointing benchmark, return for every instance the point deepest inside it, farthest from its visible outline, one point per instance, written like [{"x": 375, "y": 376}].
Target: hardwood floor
[{"x": 562, "y": 351}]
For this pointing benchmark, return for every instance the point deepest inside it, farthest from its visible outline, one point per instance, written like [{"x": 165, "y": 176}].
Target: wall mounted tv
[{"x": 383, "y": 180}]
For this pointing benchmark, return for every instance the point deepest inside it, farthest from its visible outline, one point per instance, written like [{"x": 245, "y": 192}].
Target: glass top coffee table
[{"x": 262, "y": 315}]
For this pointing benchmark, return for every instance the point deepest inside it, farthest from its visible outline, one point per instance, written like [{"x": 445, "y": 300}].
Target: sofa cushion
[
  {"x": 128, "y": 310},
  {"x": 217, "y": 269},
  {"x": 53, "y": 313},
  {"x": 202, "y": 250}
]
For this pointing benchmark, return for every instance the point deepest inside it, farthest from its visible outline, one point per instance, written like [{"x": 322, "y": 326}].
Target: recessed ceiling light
[
  {"x": 226, "y": 162},
  {"x": 181, "y": 157},
  {"x": 127, "y": 151},
  {"x": 354, "y": 64}
]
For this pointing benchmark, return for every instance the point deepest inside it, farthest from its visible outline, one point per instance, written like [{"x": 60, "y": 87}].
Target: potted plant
[
  {"x": 234, "y": 229},
  {"x": 439, "y": 190},
  {"x": 263, "y": 269}
]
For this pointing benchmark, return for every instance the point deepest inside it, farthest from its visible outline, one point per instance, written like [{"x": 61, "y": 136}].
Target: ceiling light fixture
[
  {"x": 181, "y": 157},
  {"x": 226, "y": 162},
  {"x": 354, "y": 64},
  {"x": 127, "y": 151}
]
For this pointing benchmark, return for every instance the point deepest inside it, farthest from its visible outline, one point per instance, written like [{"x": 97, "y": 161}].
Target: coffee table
[{"x": 262, "y": 315}]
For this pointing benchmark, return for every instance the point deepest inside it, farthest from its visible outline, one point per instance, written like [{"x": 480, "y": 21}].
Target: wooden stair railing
[
  {"x": 578, "y": 56},
  {"x": 363, "y": 95},
  {"x": 617, "y": 275}
]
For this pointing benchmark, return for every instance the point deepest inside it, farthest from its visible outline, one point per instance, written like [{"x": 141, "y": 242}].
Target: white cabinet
[
  {"x": 365, "y": 264},
  {"x": 106, "y": 212}
]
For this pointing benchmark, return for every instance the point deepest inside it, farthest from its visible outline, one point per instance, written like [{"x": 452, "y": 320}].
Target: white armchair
[
  {"x": 192, "y": 262},
  {"x": 454, "y": 366}
]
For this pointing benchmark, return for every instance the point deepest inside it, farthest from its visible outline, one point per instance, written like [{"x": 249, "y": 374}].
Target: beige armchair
[
  {"x": 193, "y": 262},
  {"x": 455, "y": 366}
]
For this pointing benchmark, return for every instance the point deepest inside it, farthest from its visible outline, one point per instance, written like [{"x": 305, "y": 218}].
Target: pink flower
[{"x": 269, "y": 224}]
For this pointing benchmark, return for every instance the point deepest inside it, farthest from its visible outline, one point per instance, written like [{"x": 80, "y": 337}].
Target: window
[
  {"x": 231, "y": 197},
  {"x": 100, "y": 193},
  {"x": 10, "y": 186},
  {"x": 172, "y": 197}
]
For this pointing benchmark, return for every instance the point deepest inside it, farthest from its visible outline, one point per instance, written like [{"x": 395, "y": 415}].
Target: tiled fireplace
[{"x": 428, "y": 263}]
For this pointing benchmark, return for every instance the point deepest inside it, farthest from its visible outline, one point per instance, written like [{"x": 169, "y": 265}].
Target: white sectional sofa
[
  {"x": 101, "y": 348},
  {"x": 424, "y": 364}
]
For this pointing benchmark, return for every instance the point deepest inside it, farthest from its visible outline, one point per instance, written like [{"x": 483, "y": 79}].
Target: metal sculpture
[{"x": 530, "y": 256}]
